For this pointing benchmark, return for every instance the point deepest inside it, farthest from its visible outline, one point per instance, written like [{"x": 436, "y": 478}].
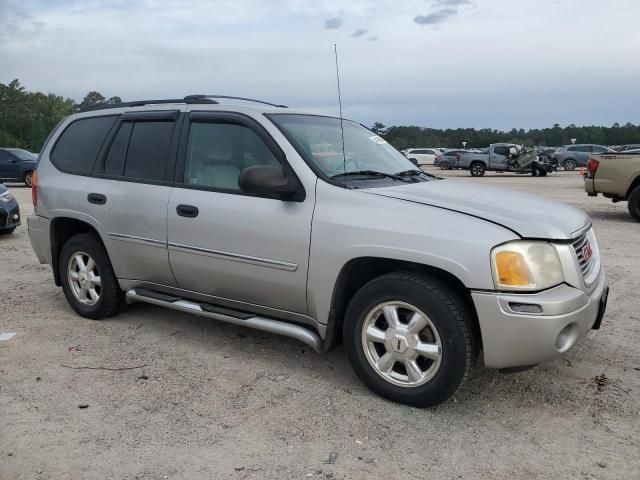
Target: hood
[{"x": 528, "y": 215}]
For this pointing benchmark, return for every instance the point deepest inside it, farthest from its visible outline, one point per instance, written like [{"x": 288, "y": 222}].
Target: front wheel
[
  {"x": 409, "y": 338},
  {"x": 569, "y": 164},
  {"x": 28, "y": 179},
  {"x": 414, "y": 161},
  {"x": 634, "y": 203},
  {"x": 7, "y": 231},
  {"x": 445, "y": 166},
  {"x": 88, "y": 280}
]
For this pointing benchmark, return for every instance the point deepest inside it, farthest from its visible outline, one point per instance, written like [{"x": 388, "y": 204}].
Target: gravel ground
[{"x": 209, "y": 400}]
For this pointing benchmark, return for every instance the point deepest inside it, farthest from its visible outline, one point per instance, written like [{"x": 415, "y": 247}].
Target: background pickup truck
[
  {"x": 615, "y": 176},
  {"x": 496, "y": 158}
]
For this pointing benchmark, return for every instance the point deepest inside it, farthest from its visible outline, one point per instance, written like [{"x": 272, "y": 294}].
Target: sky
[{"x": 436, "y": 63}]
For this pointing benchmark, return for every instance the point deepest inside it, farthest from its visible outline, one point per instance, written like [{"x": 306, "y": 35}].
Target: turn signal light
[{"x": 512, "y": 269}]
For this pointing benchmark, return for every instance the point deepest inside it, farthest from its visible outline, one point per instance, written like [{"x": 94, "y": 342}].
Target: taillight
[
  {"x": 34, "y": 188},
  {"x": 592, "y": 166}
]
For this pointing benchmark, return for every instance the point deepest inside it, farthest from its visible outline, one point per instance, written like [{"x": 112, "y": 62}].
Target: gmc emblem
[{"x": 587, "y": 252}]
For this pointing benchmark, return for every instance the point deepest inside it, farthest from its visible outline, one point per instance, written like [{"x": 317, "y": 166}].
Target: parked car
[
  {"x": 571, "y": 156},
  {"x": 616, "y": 176},
  {"x": 17, "y": 165},
  {"x": 9, "y": 211},
  {"x": 422, "y": 156},
  {"x": 258, "y": 216},
  {"x": 447, "y": 159},
  {"x": 626, "y": 148}
]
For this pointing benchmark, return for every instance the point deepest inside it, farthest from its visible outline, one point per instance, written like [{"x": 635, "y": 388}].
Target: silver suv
[{"x": 264, "y": 216}]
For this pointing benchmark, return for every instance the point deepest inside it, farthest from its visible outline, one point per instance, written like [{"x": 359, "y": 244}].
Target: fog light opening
[
  {"x": 525, "y": 307},
  {"x": 567, "y": 337}
]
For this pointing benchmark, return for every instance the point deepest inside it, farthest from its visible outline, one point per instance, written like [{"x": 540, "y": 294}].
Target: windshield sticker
[{"x": 379, "y": 140}]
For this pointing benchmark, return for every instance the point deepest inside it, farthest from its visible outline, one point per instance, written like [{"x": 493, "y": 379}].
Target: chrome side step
[{"x": 259, "y": 323}]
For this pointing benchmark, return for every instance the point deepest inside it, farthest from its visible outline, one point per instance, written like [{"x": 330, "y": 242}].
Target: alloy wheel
[
  {"x": 84, "y": 278},
  {"x": 401, "y": 344}
]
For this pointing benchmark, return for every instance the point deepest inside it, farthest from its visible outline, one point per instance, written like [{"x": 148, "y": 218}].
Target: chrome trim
[
  {"x": 580, "y": 231},
  {"x": 259, "y": 323},
  {"x": 136, "y": 239},
  {"x": 258, "y": 310},
  {"x": 263, "y": 262}
]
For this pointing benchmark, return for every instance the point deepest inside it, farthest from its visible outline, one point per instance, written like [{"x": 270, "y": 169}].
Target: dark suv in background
[
  {"x": 571, "y": 156},
  {"x": 17, "y": 165}
]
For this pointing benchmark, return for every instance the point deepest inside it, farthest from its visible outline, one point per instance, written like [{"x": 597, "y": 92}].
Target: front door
[
  {"x": 8, "y": 165},
  {"x": 245, "y": 250}
]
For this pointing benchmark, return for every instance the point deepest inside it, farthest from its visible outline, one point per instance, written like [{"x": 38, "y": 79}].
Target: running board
[{"x": 216, "y": 313}]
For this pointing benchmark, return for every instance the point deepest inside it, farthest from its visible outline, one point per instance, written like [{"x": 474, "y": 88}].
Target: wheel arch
[
  {"x": 635, "y": 184},
  {"x": 359, "y": 271},
  {"x": 61, "y": 230}
]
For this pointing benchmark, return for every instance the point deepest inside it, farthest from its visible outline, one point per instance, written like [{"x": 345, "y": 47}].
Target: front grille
[{"x": 579, "y": 244}]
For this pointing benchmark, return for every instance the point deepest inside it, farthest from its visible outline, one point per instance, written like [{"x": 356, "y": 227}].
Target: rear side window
[
  {"x": 500, "y": 150},
  {"x": 77, "y": 148},
  {"x": 140, "y": 150}
]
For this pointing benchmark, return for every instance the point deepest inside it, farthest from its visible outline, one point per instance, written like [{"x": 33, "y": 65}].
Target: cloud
[
  {"x": 452, "y": 3},
  {"x": 372, "y": 38},
  {"x": 435, "y": 17},
  {"x": 359, "y": 32},
  {"x": 333, "y": 23}
]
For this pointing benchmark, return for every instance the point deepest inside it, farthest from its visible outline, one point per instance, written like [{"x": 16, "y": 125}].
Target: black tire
[
  {"x": 477, "y": 169},
  {"x": 111, "y": 298},
  {"x": 28, "y": 178},
  {"x": 444, "y": 165},
  {"x": 414, "y": 161},
  {"x": 569, "y": 164},
  {"x": 449, "y": 314},
  {"x": 634, "y": 203},
  {"x": 7, "y": 231}
]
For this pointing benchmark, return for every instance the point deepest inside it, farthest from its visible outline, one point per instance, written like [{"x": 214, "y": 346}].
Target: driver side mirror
[{"x": 270, "y": 180}]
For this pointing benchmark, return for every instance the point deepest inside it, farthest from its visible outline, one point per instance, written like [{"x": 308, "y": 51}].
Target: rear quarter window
[{"x": 78, "y": 146}]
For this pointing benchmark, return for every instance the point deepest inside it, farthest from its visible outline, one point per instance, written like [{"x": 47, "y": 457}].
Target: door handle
[
  {"x": 97, "y": 198},
  {"x": 188, "y": 211}
]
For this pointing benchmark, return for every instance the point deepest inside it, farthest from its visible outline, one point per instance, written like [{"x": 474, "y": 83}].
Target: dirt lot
[{"x": 210, "y": 400}]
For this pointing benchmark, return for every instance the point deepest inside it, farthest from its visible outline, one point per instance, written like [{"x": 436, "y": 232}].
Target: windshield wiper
[
  {"x": 371, "y": 173},
  {"x": 414, "y": 173}
]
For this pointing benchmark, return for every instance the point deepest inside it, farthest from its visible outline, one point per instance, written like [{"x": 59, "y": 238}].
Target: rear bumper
[
  {"x": 515, "y": 339},
  {"x": 40, "y": 237},
  {"x": 589, "y": 186}
]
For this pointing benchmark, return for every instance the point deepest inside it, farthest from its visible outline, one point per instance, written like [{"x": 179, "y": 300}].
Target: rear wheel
[
  {"x": 88, "y": 280},
  {"x": 634, "y": 203},
  {"x": 28, "y": 179},
  {"x": 477, "y": 169},
  {"x": 414, "y": 161},
  {"x": 569, "y": 164},
  {"x": 409, "y": 338},
  {"x": 444, "y": 165}
]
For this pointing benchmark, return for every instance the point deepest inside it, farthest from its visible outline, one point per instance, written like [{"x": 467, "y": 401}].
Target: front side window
[
  {"x": 218, "y": 152},
  {"x": 319, "y": 140},
  {"x": 23, "y": 154},
  {"x": 500, "y": 150},
  {"x": 77, "y": 148}
]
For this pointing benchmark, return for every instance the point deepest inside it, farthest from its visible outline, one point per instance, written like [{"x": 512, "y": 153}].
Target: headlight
[
  {"x": 526, "y": 265},
  {"x": 6, "y": 197}
]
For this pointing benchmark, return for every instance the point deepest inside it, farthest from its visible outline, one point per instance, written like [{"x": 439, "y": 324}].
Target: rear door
[
  {"x": 246, "y": 250},
  {"x": 129, "y": 192}
]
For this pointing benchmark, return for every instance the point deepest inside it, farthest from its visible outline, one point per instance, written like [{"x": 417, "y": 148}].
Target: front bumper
[
  {"x": 9, "y": 216},
  {"x": 564, "y": 315}
]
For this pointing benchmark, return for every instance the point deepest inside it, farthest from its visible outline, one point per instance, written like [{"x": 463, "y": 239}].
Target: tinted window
[
  {"x": 218, "y": 152},
  {"x": 4, "y": 155},
  {"x": 148, "y": 150},
  {"x": 500, "y": 150},
  {"x": 418, "y": 152},
  {"x": 78, "y": 146},
  {"x": 114, "y": 163},
  {"x": 600, "y": 149}
]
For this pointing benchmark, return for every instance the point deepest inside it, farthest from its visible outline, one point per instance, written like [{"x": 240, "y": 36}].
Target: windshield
[
  {"x": 23, "y": 154},
  {"x": 320, "y": 140}
]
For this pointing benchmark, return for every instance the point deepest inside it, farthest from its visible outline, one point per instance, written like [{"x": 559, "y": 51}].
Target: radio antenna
[{"x": 344, "y": 155}]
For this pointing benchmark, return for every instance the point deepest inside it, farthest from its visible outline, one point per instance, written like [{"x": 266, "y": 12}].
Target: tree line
[
  {"x": 405, "y": 137},
  {"x": 26, "y": 118}
]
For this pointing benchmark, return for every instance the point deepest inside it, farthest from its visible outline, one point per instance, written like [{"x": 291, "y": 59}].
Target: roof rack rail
[
  {"x": 139, "y": 103},
  {"x": 203, "y": 97}
]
